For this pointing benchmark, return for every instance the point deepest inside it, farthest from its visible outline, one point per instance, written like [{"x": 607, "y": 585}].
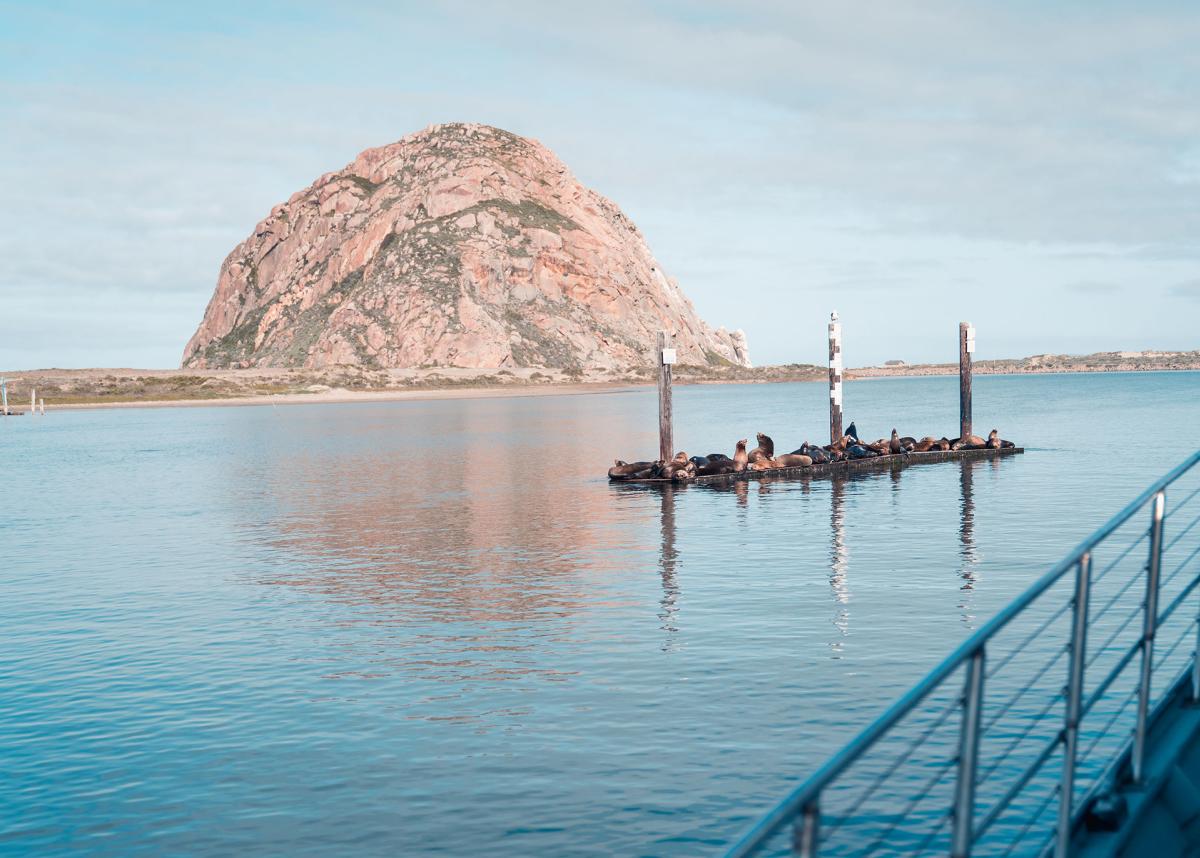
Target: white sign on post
[{"x": 668, "y": 356}]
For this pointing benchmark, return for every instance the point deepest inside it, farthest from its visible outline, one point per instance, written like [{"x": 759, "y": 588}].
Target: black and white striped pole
[{"x": 835, "y": 378}]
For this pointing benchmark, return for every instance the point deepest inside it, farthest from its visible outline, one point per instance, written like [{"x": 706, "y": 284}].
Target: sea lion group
[{"x": 763, "y": 458}]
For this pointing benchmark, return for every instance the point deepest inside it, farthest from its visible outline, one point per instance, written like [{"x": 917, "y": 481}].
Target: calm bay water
[{"x": 435, "y": 628}]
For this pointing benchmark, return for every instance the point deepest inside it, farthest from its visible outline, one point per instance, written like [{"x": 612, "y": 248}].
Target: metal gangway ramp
[{"x": 1068, "y": 724}]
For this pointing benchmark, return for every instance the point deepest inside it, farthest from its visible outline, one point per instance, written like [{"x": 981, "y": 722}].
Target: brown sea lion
[
  {"x": 763, "y": 465},
  {"x": 881, "y": 447},
  {"x": 677, "y": 466},
  {"x": 793, "y": 460},
  {"x": 841, "y": 444},
  {"x": 764, "y": 450},
  {"x": 894, "y": 443},
  {"x": 971, "y": 442},
  {"x": 925, "y": 444},
  {"x": 993, "y": 440},
  {"x": 740, "y": 457}
]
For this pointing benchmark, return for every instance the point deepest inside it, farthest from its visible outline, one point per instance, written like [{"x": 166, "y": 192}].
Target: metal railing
[{"x": 972, "y": 757}]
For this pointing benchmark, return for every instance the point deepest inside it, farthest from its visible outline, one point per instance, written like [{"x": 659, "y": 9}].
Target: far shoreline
[{"x": 263, "y": 387}]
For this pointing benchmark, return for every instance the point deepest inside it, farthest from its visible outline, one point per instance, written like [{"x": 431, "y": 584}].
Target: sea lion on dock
[
  {"x": 842, "y": 444},
  {"x": 718, "y": 457},
  {"x": 740, "y": 458},
  {"x": 971, "y": 442},
  {"x": 881, "y": 447},
  {"x": 699, "y": 461},
  {"x": 717, "y": 466},
  {"x": 852, "y": 431},
  {"x": 858, "y": 451},
  {"x": 679, "y": 468},
  {"x": 632, "y": 470},
  {"x": 894, "y": 446},
  {"x": 764, "y": 450},
  {"x": 793, "y": 460},
  {"x": 763, "y": 465},
  {"x": 819, "y": 455},
  {"x": 925, "y": 444}
]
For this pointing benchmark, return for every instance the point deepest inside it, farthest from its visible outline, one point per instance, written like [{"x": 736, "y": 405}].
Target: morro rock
[{"x": 461, "y": 245}]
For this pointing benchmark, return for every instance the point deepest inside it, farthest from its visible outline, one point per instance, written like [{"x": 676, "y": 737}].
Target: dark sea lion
[
  {"x": 628, "y": 470},
  {"x": 718, "y": 457},
  {"x": 720, "y": 466},
  {"x": 908, "y": 441},
  {"x": 818, "y": 454},
  {"x": 894, "y": 443},
  {"x": 793, "y": 460},
  {"x": 852, "y": 431},
  {"x": 699, "y": 461},
  {"x": 764, "y": 450},
  {"x": 740, "y": 457},
  {"x": 858, "y": 451}
]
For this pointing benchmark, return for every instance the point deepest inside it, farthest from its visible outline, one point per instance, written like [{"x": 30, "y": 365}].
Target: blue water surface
[{"x": 433, "y": 627}]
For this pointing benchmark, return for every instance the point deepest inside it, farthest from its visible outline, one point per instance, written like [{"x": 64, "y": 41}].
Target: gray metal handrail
[{"x": 803, "y": 806}]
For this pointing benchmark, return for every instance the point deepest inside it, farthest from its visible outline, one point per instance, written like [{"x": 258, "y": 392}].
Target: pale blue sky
[{"x": 1033, "y": 168}]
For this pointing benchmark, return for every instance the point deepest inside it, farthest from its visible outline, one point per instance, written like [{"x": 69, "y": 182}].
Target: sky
[{"x": 1031, "y": 167}]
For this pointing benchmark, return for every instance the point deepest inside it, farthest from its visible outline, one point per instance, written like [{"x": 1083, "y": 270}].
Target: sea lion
[
  {"x": 924, "y": 445},
  {"x": 894, "y": 443},
  {"x": 881, "y": 447},
  {"x": 852, "y": 431},
  {"x": 718, "y": 457},
  {"x": 819, "y": 455},
  {"x": 971, "y": 442},
  {"x": 740, "y": 457},
  {"x": 631, "y": 470},
  {"x": 763, "y": 465},
  {"x": 680, "y": 465},
  {"x": 858, "y": 451},
  {"x": 699, "y": 461},
  {"x": 793, "y": 460},
  {"x": 841, "y": 444},
  {"x": 719, "y": 466},
  {"x": 764, "y": 450}
]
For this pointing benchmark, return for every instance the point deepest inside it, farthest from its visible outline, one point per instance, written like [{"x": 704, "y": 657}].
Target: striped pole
[{"x": 835, "y": 378}]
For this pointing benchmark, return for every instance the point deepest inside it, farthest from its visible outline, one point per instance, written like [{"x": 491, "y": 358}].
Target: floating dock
[{"x": 836, "y": 469}]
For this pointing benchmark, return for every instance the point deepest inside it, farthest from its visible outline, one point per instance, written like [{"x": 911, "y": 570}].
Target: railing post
[
  {"x": 1079, "y": 621},
  {"x": 968, "y": 758},
  {"x": 1149, "y": 623},
  {"x": 804, "y": 830}
]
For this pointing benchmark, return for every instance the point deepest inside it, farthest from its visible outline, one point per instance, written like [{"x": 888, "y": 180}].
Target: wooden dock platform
[{"x": 838, "y": 469}]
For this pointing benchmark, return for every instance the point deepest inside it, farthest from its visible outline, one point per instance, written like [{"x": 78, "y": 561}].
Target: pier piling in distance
[
  {"x": 966, "y": 347},
  {"x": 4, "y": 395},
  {"x": 666, "y": 357},
  {"x": 42, "y": 403},
  {"x": 835, "y": 378},
  {"x": 32, "y": 401}
]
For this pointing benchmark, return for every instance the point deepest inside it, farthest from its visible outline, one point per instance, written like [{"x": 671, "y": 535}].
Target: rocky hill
[{"x": 461, "y": 245}]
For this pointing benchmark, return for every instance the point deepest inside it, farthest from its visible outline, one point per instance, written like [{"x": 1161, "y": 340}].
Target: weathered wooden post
[
  {"x": 4, "y": 395},
  {"x": 32, "y": 402},
  {"x": 835, "y": 378},
  {"x": 42, "y": 403},
  {"x": 666, "y": 357},
  {"x": 966, "y": 347}
]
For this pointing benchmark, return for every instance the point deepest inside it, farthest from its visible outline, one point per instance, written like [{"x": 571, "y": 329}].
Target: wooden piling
[
  {"x": 666, "y": 357},
  {"x": 835, "y": 378},
  {"x": 32, "y": 402},
  {"x": 4, "y": 395},
  {"x": 42, "y": 403},
  {"x": 966, "y": 347}
]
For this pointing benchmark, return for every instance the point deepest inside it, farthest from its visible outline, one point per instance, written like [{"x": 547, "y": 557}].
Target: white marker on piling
[{"x": 835, "y": 378}]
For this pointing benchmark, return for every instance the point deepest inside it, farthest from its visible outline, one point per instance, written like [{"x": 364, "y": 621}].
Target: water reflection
[
  {"x": 668, "y": 559},
  {"x": 839, "y": 562},
  {"x": 969, "y": 555}
]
